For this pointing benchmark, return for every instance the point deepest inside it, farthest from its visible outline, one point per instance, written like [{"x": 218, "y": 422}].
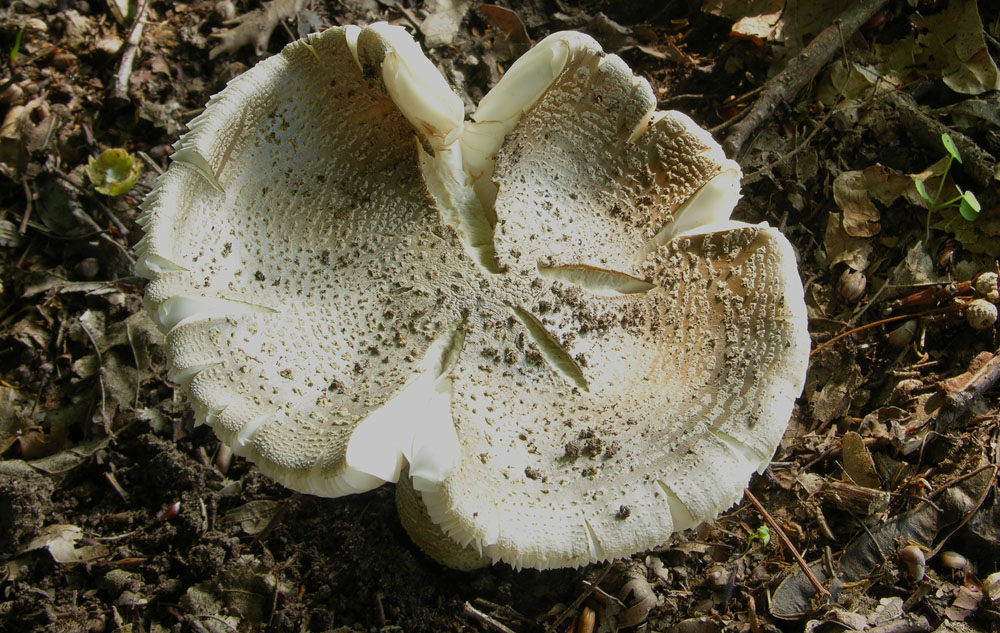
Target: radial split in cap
[{"x": 543, "y": 317}]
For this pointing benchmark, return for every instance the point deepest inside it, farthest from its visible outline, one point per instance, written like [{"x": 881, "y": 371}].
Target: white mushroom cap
[
  {"x": 291, "y": 248},
  {"x": 656, "y": 348},
  {"x": 543, "y": 315}
]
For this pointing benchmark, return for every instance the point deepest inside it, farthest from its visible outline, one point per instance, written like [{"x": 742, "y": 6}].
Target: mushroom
[{"x": 541, "y": 322}]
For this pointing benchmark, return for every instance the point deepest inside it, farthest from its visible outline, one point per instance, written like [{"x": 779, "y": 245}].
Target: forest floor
[{"x": 117, "y": 514}]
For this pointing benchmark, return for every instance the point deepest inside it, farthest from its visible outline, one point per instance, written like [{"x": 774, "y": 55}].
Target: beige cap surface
[{"x": 543, "y": 315}]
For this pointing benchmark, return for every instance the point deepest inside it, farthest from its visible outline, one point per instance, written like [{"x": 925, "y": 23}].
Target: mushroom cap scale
[{"x": 538, "y": 316}]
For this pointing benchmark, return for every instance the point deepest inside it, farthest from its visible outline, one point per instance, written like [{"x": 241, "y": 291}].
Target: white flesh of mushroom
[{"x": 544, "y": 314}]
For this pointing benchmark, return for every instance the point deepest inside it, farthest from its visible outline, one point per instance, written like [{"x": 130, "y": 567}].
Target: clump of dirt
[{"x": 25, "y": 505}]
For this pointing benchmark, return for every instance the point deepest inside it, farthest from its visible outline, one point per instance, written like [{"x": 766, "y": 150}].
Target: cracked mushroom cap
[{"x": 543, "y": 317}]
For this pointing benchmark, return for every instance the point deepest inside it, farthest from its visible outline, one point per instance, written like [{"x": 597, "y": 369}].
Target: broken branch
[
  {"x": 787, "y": 543},
  {"x": 120, "y": 90},
  {"x": 800, "y": 71}
]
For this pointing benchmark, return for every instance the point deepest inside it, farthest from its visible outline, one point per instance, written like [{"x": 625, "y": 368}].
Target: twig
[
  {"x": 800, "y": 71},
  {"x": 737, "y": 117},
  {"x": 958, "y": 480},
  {"x": 120, "y": 90},
  {"x": 901, "y": 317},
  {"x": 788, "y": 544},
  {"x": 111, "y": 216},
  {"x": 977, "y": 164},
  {"x": 478, "y": 615},
  {"x": 100, "y": 376},
  {"x": 579, "y": 600},
  {"x": 27, "y": 205},
  {"x": 412, "y": 19},
  {"x": 753, "y": 177},
  {"x": 507, "y": 611},
  {"x": 380, "y": 610},
  {"x": 979, "y": 502},
  {"x": 81, "y": 216},
  {"x": 110, "y": 476},
  {"x": 957, "y": 402}
]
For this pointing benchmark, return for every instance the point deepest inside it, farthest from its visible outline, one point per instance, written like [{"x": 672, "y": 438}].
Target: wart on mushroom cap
[{"x": 544, "y": 313}]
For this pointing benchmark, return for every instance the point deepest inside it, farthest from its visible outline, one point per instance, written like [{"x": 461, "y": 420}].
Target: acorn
[
  {"x": 981, "y": 314},
  {"x": 851, "y": 286},
  {"x": 953, "y": 560},
  {"x": 225, "y": 10},
  {"x": 717, "y": 577},
  {"x": 901, "y": 336},
  {"x": 912, "y": 560},
  {"x": 987, "y": 286}
]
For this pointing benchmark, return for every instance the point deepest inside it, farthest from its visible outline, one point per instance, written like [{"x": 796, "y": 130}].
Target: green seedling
[
  {"x": 966, "y": 201},
  {"x": 113, "y": 172},
  {"x": 762, "y": 534},
  {"x": 17, "y": 47}
]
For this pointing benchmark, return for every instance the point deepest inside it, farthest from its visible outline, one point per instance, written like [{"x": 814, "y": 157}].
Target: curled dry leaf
[
  {"x": 66, "y": 544},
  {"x": 792, "y": 23},
  {"x": 952, "y": 42},
  {"x": 855, "y": 191},
  {"x": 540, "y": 316},
  {"x": 858, "y": 463}
]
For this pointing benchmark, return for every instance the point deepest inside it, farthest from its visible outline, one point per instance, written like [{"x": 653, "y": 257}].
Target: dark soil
[{"x": 173, "y": 535}]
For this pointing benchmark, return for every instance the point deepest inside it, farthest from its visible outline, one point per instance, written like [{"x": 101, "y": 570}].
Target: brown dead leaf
[
  {"x": 966, "y": 602},
  {"x": 858, "y": 463},
  {"x": 855, "y": 191},
  {"x": 512, "y": 40},
  {"x": 36, "y": 442},
  {"x": 841, "y": 247},
  {"x": 159, "y": 65},
  {"x": 792, "y": 23},
  {"x": 66, "y": 544},
  {"x": 254, "y": 516},
  {"x": 952, "y": 42},
  {"x": 834, "y": 398},
  {"x": 614, "y": 37}
]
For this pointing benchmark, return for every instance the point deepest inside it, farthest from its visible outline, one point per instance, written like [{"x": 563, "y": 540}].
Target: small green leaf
[
  {"x": 969, "y": 207},
  {"x": 763, "y": 534},
  {"x": 113, "y": 172},
  {"x": 950, "y": 146},
  {"x": 922, "y": 190}
]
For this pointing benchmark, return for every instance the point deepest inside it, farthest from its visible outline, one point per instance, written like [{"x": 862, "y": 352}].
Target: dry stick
[
  {"x": 104, "y": 208},
  {"x": 788, "y": 544},
  {"x": 27, "y": 205},
  {"x": 901, "y": 317},
  {"x": 800, "y": 71},
  {"x": 579, "y": 600},
  {"x": 739, "y": 116},
  {"x": 957, "y": 402},
  {"x": 977, "y": 164},
  {"x": 128, "y": 54},
  {"x": 753, "y": 177},
  {"x": 476, "y": 614},
  {"x": 968, "y": 516}
]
